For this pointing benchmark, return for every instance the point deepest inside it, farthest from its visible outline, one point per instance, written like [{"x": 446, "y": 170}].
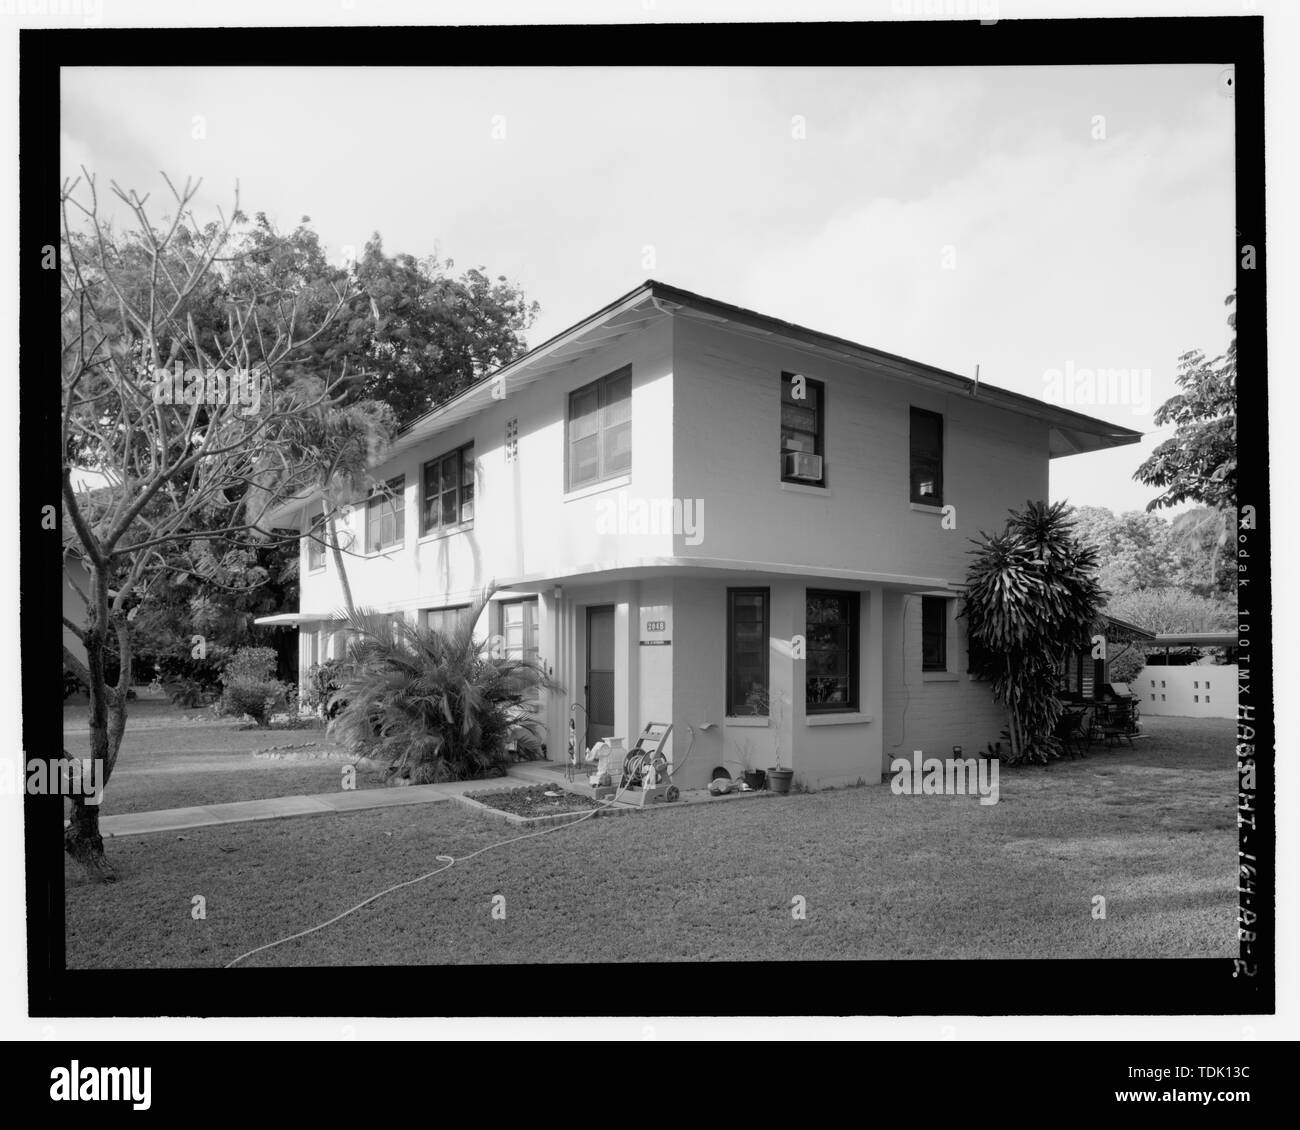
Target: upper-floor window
[
  {"x": 803, "y": 423},
  {"x": 926, "y": 461},
  {"x": 600, "y": 429},
  {"x": 934, "y": 633},
  {"x": 316, "y": 543},
  {"x": 832, "y": 652},
  {"x": 386, "y": 516},
  {"x": 447, "y": 491}
]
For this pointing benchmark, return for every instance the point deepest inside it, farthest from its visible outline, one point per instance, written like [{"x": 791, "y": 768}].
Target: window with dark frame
[
  {"x": 802, "y": 423},
  {"x": 831, "y": 652},
  {"x": 447, "y": 491},
  {"x": 934, "y": 633},
  {"x": 599, "y": 431},
  {"x": 316, "y": 544},
  {"x": 926, "y": 458},
  {"x": 748, "y": 631},
  {"x": 386, "y": 516}
]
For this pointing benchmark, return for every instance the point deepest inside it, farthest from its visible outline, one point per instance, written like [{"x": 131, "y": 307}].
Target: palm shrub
[
  {"x": 434, "y": 705},
  {"x": 1032, "y": 594}
]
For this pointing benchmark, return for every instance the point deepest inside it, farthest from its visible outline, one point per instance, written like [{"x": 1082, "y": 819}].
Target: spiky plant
[
  {"x": 434, "y": 705},
  {"x": 1032, "y": 594}
]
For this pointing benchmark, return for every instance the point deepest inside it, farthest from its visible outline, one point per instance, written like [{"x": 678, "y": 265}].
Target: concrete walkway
[
  {"x": 358, "y": 800},
  {"x": 275, "y": 808}
]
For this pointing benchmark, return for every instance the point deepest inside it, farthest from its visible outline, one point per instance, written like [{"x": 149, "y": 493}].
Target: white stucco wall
[
  {"x": 523, "y": 524},
  {"x": 1196, "y": 691},
  {"x": 727, "y": 419},
  {"x": 705, "y": 423}
]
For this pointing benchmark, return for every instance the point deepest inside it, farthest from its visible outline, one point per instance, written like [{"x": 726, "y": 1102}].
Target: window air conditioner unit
[{"x": 801, "y": 465}]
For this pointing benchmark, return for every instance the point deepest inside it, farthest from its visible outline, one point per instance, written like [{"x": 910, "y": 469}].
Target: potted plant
[
  {"x": 754, "y": 778},
  {"x": 778, "y": 777}
]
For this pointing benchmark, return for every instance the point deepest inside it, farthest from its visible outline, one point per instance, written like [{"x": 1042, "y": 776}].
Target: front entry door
[{"x": 600, "y": 673}]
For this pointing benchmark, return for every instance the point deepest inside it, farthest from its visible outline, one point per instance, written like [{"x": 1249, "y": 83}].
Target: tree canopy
[{"x": 1198, "y": 463}]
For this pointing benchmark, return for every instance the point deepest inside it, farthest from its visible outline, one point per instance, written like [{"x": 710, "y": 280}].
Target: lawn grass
[
  {"x": 174, "y": 758},
  {"x": 1152, "y": 829}
]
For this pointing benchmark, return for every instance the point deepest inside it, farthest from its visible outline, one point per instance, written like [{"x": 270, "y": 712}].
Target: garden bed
[
  {"x": 287, "y": 722},
  {"x": 535, "y": 800}
]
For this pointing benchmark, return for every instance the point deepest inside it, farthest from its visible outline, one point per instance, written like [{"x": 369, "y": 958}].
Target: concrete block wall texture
[{"x": 927, "y": 711}]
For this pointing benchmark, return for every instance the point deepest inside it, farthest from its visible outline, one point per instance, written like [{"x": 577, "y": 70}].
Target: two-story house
[{"x": 699, "y": 514}]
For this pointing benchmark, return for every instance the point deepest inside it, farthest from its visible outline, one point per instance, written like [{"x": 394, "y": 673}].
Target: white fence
[{"x": 1198, "y": 691}]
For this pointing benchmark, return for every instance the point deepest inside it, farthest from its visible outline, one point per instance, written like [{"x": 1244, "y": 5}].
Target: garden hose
[{"x": 447, "y": 862}]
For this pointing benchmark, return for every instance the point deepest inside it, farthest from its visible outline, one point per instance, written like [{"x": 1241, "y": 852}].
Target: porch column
[
  {"x": 627, "y": 674},
  {"x": 872, "y": 644}
]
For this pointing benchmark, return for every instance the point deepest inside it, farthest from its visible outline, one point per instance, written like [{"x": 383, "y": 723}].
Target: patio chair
[
  {"x": 1118, "y": 721},
  {"x": 1072, "y": 730}
]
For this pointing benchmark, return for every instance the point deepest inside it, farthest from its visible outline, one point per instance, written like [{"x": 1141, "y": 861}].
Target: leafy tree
[
  {"x": 215, "y": 590},
  {"x": 348, "y": 439},
  {"x": 132, "y": 304},
  {"x": 1031, "y": 595},
  {"x": 423, "y": 335},
  {"x": 1199, "y": 462},
  {"x": 1135, "y": 548},
  {"x": 1199, "y": 538},
  {"x": 1140, "y": 550},
  {"x": 1172, "y": 610}
]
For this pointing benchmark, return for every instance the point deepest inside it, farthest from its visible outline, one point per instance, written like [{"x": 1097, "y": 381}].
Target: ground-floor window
[
  {"x": 832, "y": 652},
  {"x": 442, "y": 620},
  {"x": 517, "y": 628},
  {"x": 934, "y": 633},
  {"x": 1081, "y": 675},
  {"x": 748, "y": 619}
]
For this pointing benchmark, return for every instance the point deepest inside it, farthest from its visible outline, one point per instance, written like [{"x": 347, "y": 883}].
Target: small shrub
[
  {"x": 323, "y": 682},
  {"x": 185, "y": 692},
  {"x": 250, "y": 665},
  {"x": 72, "y": 683},
  {"x": 255, "y": 697}
]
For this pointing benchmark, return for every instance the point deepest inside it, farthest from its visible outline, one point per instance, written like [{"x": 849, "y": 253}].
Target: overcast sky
[{"x": 955, "y": 216}]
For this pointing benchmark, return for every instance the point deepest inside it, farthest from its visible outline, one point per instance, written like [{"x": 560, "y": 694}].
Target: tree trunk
[
  {"x": 82, "y": 839},
  {"x": 337, "y": 554},
  {"x": 1013, "y": 719}
]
